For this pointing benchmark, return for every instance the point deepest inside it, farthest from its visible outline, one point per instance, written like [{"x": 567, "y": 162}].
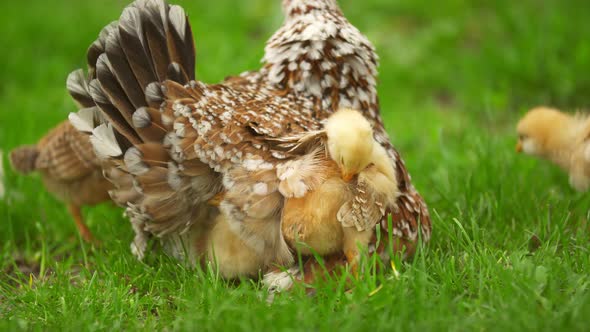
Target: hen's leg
[
  {"x": 76, "y": 213},
  {"x": 277, "y": 280}
]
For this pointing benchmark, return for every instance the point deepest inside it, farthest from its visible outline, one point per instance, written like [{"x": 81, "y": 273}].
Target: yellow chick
[
  {"x": 340, "y": 191},
  {"x": 232, "y": 256},
  {"x": 560, "y": 138}
]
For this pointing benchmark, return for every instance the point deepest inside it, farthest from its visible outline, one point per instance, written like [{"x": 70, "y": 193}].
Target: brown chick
[
  {"x": 69, "y": 169},
  {"x": 559, "y": 137},
  {"x": 337, "y": 194}
]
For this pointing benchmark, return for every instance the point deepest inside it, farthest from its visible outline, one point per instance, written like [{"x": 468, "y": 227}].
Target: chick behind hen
[{"x": 69, "y": 170}]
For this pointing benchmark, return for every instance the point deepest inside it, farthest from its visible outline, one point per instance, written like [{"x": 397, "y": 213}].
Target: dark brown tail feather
[
  {"x": 153, "y": 43},
  {"x": 24, "y": 159},
  {"x": 150, "y": 43}
]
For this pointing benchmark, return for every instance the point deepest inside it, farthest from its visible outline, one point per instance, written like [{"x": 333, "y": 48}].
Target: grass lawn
[{"x": 510, "y": 239}]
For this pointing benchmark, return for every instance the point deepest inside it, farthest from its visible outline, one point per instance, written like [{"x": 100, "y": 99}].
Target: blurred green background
[
  {"x": 510, "y": 244},
  {"x": 489, "y": 60}
]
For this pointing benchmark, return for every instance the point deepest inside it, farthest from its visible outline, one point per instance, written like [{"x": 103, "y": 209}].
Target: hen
[
  {"x": 562, "y": 138},
  {"x": 187, "y": 144},
  {"x": 319, "y": 55},
  {"x": 69, "y": 169}
]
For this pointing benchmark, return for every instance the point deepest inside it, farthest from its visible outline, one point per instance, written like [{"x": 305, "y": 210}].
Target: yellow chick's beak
[
  {"x": 519, "y": 147},
  {"x": 347, "y": 176}
]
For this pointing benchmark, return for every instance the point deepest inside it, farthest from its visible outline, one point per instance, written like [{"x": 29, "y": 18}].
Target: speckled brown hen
[
  {"x": 69, "y": 169},
  {"x": 186, "y": 143},
  {"x": 318, "y": 54}
]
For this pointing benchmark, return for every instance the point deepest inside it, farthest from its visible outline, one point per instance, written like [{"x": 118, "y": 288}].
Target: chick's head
[
  {"x": 350, "y": 141},
  {"x": 540, "y": 131}
]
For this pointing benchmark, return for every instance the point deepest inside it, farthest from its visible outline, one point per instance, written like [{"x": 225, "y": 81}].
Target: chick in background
[{"x": 559, "y": 137}]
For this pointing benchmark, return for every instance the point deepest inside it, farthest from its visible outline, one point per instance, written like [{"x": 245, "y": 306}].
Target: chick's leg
[
  {"x": 76, "y": 213},
  {"x": 353, "y": 240}
]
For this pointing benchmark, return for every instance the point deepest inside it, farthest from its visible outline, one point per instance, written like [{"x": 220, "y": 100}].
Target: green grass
[{"x": 454, "y": 78}]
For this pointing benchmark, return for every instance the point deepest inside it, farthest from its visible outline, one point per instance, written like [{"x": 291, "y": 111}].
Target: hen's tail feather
[
  {"x": 119, "y": 66},
  {"x": 153, "y": 43},
  {"x": 154, "y": 24},
  {"x": 98, "y": 47},
  {"x": 135, "y": 47},
  {"x": 114, "y": 93},
  {"x": 180, "y": 41},
  {"x": 177, "y": 74},
  {"x": 77, "y": 85},
  {"x": 113, "y": 115},
  {"x": 24, "y": 159},
  {"x": 135, "y": 65}
]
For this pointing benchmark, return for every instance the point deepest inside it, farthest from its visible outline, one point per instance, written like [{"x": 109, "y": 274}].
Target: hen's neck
[{"x": 321, "y": 55}]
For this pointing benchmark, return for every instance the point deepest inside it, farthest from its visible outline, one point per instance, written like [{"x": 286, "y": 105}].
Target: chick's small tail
[{"x": 24, "y": 159}]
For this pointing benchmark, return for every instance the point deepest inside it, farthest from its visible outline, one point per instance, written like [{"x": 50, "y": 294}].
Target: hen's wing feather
[
  {"x": 410, "y": 214},
  {"x": 304, "y": 174},
  {"x": 235, "y": 125}
]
